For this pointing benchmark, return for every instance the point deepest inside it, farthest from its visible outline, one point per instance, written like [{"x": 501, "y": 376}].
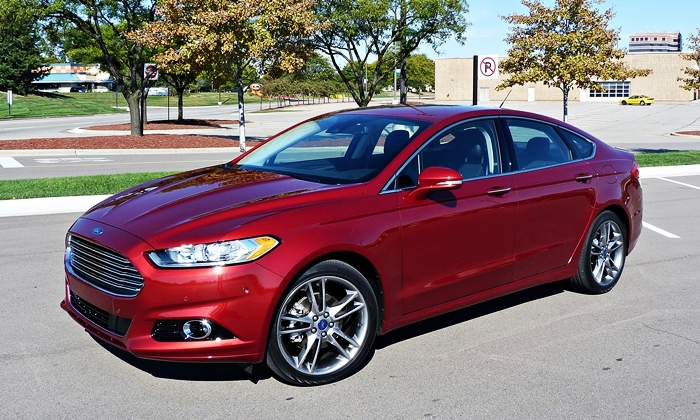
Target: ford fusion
[{"x": 300, "y": 252}]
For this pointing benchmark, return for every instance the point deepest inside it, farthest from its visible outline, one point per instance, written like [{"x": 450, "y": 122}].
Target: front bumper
[{"x": 239, "y": 299}]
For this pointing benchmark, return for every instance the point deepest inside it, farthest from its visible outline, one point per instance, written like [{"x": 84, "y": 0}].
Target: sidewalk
[{"x": 60, "y": 205}]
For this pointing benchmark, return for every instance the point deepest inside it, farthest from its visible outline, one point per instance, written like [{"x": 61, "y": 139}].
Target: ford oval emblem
[{"x": 98, "y": 231}]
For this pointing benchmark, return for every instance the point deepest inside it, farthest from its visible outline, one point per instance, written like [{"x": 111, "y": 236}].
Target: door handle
[
  {"x": 498, "y": 191},
  {"x": 583, "y": 178}
]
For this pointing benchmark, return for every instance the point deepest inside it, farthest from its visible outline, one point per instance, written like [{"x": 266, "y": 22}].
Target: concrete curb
[{"x": 85, "y": 152}]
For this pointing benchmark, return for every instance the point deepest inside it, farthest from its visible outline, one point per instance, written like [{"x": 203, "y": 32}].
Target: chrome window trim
[
  {"x": 555, "y": 127},
  {"x": 388, "y": 186}
]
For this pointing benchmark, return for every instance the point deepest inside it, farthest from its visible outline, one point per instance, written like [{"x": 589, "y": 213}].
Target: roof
[{"x": 60, "y": 78}]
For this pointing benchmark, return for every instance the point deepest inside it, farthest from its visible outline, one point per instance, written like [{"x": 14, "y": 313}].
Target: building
[
  {"x": 63, "y": 76},
  {"x": 656, "y": 42},
  {"x": 453, "y": 81}
]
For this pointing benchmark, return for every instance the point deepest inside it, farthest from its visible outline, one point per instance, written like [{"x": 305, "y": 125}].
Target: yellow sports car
[{"x": 637, "y": 100}]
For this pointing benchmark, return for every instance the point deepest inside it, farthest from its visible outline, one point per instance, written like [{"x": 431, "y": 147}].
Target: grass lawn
[
  {"x": 72, "y": 186},
  {"x": 44, "y": 104}
]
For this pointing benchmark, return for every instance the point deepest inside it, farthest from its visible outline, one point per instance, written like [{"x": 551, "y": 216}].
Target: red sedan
[{"x": 301, "y": 251}]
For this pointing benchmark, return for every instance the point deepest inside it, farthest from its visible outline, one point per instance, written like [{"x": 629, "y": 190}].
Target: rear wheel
[
  {"x": 325, "y": 326},
  {"x": 603, "y": 256}
]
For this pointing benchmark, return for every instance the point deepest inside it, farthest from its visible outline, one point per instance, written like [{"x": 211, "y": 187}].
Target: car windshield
[{"x": 338, "y": 149}]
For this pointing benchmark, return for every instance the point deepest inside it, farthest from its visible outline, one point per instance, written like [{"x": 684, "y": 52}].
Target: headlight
[{"x": 214, "y": 254}]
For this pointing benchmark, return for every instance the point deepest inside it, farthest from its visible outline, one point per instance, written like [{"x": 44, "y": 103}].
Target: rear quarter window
[{"x": 580, "y": 145}]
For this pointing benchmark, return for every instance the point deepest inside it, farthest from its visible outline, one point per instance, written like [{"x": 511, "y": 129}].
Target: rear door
[{"x": 556, "y": 189}]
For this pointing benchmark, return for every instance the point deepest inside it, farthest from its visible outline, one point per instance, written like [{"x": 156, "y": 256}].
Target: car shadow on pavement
[
  {"x": 184, "y": 371},
  {"x": 469, "y": 313}
]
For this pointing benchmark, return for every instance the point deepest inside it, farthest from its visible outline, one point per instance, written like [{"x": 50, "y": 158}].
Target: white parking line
[
  {"x": 680, "y": 183},
  {"x": 660, "y": 231},
  {"x": 8, "y": 162}
]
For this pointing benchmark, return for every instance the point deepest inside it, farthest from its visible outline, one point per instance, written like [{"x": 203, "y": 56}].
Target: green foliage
[
  {"x": 668, "y": 158},
  {"x": 385, "y": 30},
  {"x": 73, "y": 186},
  {"x": 104, "y": 26},
  {"x": 568, "y": 45},
  {"x": 692, "y": 81},
  {"x": 20, "y": 56}
]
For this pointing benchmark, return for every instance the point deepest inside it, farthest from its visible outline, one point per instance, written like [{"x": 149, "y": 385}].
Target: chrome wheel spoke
[
  {"x": 336, "y": 344},
  {"x": 310, "y": 344},
  {"x": 312, "y": 298},
  {"x": 341, "y": 334}
]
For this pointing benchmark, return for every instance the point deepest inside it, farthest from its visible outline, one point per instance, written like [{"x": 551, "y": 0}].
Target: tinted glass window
[
  {"x": 537, "y": 144},
  {"x": 583, "y": 147},
  {"x": 471, "y": 149},
  {"x": 336, "y": 149}
]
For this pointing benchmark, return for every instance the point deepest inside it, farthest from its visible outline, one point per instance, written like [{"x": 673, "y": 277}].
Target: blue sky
[{"x": 485, "y": 35}]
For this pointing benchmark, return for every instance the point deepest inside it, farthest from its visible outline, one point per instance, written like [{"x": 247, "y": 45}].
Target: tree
[
  {"x": 692, "y": 82},
  {"x": 20, "y": 57},
  {"x": 229, "y": 36},
  {"x": 385, "y": 30},
  {"x": 420, "y": 72},
  {"x": 107, "y": 23},
  {"x": 565, "y": 46}
]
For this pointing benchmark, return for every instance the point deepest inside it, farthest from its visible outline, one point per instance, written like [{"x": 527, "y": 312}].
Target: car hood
[{"x": 201, "y": 205}]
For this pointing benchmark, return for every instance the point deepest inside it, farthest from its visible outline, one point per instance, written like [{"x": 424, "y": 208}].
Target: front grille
[
  {"x": 112, "y": 323},
  {"x": 103, "y": 268}
]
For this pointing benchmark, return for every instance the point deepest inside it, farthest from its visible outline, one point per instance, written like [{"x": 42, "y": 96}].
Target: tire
[
  {"x": 603, "y": 256},
  {"x": 624, "y": 102},
  {"x": 317, "y": 341},
  {"x": 642, "y": 103}
]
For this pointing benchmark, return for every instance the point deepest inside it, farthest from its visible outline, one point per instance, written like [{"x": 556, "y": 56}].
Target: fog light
[{"x": 198, "y": 329}]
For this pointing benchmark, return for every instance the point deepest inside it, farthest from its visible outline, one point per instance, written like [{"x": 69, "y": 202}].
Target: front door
[{"x": 459, "y": 242}]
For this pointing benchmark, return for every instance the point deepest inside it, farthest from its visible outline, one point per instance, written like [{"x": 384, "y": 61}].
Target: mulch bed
[
  {"x": 168, "y": 125},
  {"x": 690, "y": 133},
  {"x": 149, "y": 141}
]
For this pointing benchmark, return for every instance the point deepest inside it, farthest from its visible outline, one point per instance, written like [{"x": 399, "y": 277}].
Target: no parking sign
[{"x": 488, "y": 67}]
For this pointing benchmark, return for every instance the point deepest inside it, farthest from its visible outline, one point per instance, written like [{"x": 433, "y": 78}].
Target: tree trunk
[
  {"x": 403, "y": 90},
  {"x": 566, "y": 89},
  {"x": 134, "y": 101},
  {"x": 180, "y": 93},
  {"x": 241, "y": 112}
]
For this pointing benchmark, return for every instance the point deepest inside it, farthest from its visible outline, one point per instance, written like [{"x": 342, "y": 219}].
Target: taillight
[{"x": 635, "y": 170}]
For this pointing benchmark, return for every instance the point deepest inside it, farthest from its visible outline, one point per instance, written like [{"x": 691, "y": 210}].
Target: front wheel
[
  {"x": 624, "y": 102},
  {"x": 325, "y": 326},
  {"x": 642, "y": 103},
  {"x": 603, "y": 256}
]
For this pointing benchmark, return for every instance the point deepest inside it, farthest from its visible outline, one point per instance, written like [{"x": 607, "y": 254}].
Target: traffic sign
[
  {"x": 150, "y": 71},
  {"x": 488, "y": 67}
]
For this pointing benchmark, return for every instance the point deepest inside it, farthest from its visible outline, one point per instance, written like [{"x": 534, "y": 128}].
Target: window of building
[{"x": 613, "y": 89}]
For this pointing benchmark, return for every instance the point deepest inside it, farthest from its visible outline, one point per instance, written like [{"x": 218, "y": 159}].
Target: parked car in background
[
  {"x": 81, "y": 89},
  {"x": 346, "y": 226},
  {"x": 637, "y": 100}
]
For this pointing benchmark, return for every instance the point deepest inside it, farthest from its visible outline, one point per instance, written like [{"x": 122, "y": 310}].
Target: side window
[
  {"x": 537, "y": 145},
  {"x": 471, "y": 149},
  {"x": 583, "y": 148}
]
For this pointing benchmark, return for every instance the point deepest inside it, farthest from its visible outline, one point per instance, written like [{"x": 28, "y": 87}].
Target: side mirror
[{"x": 436, "y": 178}]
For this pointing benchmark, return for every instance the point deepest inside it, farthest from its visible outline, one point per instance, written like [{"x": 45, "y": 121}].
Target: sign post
[
  {"x": 397, "y": 72},
  {"x": 485, "y": 67},
  {"x": 9, "y": 102}
]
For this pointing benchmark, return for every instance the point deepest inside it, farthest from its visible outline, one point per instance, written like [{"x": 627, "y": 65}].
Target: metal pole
[{"x": 475, "y": 81}]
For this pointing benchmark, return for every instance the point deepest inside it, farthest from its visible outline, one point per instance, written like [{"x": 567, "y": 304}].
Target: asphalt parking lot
[{"x": 543, "y": 353}]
